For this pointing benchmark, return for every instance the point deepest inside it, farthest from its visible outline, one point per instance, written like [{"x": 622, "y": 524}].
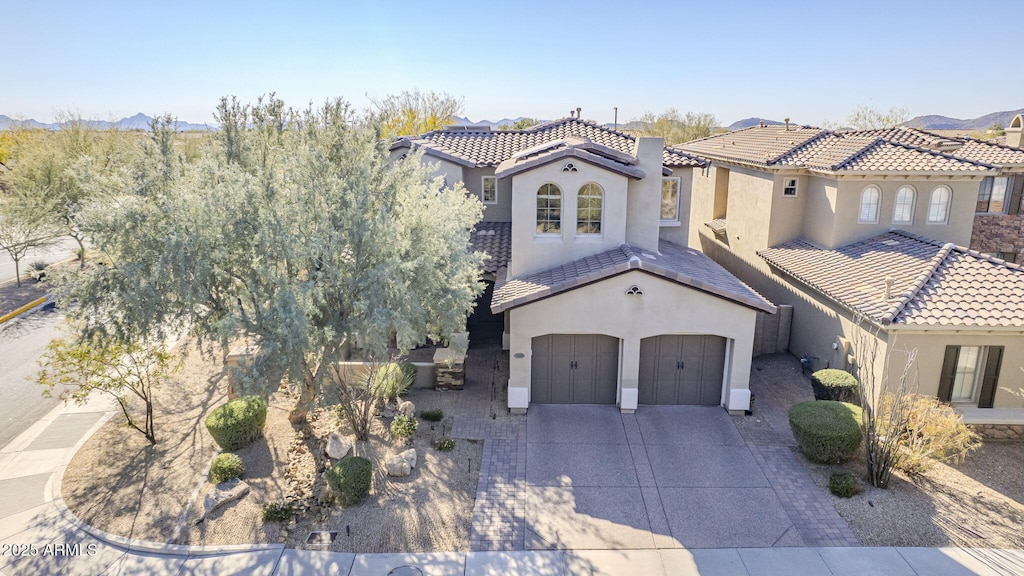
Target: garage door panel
[
  {"x": 681, "y": 369},
  {"x": 606, "y": 376},
  {"x": 574, "y": 369},
  {"x": 561, "y": 380}
]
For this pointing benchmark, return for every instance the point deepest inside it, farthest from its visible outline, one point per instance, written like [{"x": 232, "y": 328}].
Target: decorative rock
[
  {"x": 398, "y": 467},
  {"x": 337, "y": 446},
  {"x": 409, "y": 456},
  {"x": 222, "y": 494},
  {"x": 406, "y": 408}
]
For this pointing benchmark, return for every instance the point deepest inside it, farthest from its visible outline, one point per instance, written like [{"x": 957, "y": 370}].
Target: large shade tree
[{"x": 294, "y": 232}]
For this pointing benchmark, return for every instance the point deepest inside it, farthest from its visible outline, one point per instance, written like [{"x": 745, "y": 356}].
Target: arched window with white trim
[
  {"x": 938, "y": 206},
  {"x": 869, "y": 201},
  {"x": 589, "y": 209},
  {"x": 549, "y": 209},
  {"x": 903, "y": 212}
]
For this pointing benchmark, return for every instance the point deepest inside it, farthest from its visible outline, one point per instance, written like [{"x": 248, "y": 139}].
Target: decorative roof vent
[
  {"x": 569, "y": 167},
  {"x": 634, "y": 290}
]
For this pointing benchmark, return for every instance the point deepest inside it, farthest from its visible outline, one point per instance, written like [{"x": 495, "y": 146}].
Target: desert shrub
[
  {"x": 277, "y": 512},
  {"x": 826, "y": 431},
  {"x": 37, "y": 270},
  {"x": 403, "y": 426},
  {"x": 432, "y": 415},
  {"x": 350, "y": 479},
  {"x": 445, "y": 444},
  {"x": 393, "y": 379},
  {"x": 833, "y": 384},
  {"x": 238, "y": 422},
  {"x": 931, "y": 431},
  {"x": 226, "y": 467},
  {"x": 844, "y": 484}
]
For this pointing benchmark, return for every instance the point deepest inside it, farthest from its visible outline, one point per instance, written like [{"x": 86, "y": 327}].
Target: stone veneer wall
[
  {"x": 998, "y": 233},
  {"x": 999, "y": 431}
]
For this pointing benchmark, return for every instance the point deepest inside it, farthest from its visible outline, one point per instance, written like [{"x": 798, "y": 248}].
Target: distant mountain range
[
  {"x": 748, "y": 122},
  {"x": 139, "y": 121},
  {"x": 493, "y": 124},
  {"x": 985, "y": 122}
]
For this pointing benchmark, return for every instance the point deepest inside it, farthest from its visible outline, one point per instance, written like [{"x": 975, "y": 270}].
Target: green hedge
[
  {"x": 844, "y": 484},
  {"x": 833, "y": 384},
  {"x": 238, "y": 423},
  {"x": 226, "y": 467},
  {"x": 350, "y": 479},
  {"x": 826, "y": 431}
]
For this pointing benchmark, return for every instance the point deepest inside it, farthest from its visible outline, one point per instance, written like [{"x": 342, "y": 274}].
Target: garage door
[
  {"x": 574, "y": 369},
  {"x": 677, "y": 369}
]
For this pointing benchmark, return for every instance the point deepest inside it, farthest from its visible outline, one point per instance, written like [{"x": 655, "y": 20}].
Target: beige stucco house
[
  {"x": 591, "y": 285},
  {"x": 901, "y": 236}
]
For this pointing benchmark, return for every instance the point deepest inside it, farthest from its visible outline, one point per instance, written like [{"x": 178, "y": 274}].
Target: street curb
[
  {"x": 130, "y": 544},
  {"x": 23, "y": 309}
]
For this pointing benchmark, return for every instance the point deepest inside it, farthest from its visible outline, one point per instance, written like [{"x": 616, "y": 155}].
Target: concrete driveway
[{"x": 665, "y": 477}]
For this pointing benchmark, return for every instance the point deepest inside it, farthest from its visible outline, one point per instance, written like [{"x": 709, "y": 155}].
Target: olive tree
[{"x": 293, "y": 232}]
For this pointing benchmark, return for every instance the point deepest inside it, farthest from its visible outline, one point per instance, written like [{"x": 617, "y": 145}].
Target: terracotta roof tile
[
  {"x": 755, "y": 145},
  {"x": 492, "y": 147},
  {"x": 932, "y": 284},
  {"x": 495, "y": 240},
  {"x": 682, "y": 265}
]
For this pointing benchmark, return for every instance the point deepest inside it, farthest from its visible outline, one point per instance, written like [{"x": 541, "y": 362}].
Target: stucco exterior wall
[
  {"x": 787, "y": 212},
  {"x": 644, "y": 195},
  {"x": 931, "y": 348},
  {"x": 847, "y": 229},
  {"x": 680, "y": 233},
  {"x": 820, "y": 210},
  {"x": 605, "y": 308},
  {"x": 532, "y": 252},
  {"x": 500, "y": 212},
  {"x": 450, "y": 171},
  {"x": 750, "y": 199},
  {"x": 702, "y": 203}
]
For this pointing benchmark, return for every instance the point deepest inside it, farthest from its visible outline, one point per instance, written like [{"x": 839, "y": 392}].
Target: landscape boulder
[
  {"x": 398, "y": 467},
  {"x": 222, "y": 494},
  {"x": 338, "y": 446},
  {"x": 406, "y": 408}
]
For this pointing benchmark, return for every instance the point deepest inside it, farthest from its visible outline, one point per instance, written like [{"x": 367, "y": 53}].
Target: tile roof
[
  {"x": 479, "y": 148},
  {"x": 677, "y": 264},
  {"x": 572, "y": 147},
  {"x": 990, "y": 152},
  {"x": 495, "y": 240},
  {"x": 755, "y": 145},
  {"x": 932, "y": 284},
  {"x": 890, "y": 150}
]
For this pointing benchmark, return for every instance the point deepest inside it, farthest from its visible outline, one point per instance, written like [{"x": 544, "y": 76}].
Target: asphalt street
[
  {"x": 22, "y": 342},
  {"x": 61, "y": 251}
]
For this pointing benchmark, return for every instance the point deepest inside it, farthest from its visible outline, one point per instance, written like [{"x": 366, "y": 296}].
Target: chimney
[
  {"x": 1013, "y": 133},
  {"x": 787, "y": 124}
]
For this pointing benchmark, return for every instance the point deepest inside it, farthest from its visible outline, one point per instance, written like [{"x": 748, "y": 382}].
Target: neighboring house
[
  {"x": 598, "y": 299},
  {"x": 863, "y": 234}
]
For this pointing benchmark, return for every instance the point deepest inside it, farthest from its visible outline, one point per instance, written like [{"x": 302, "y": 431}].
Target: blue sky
[{"x": 808, "y": 60}]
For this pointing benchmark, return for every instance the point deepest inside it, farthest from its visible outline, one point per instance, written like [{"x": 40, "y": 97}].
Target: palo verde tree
[
  {"x": 25, "y": 225},
  {"x": 414, "y": 112},
  {"x": 294, "y": 232},
  {"x": 674, "y": 127}
]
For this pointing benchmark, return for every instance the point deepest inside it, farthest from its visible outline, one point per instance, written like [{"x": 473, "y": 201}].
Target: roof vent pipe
[
  {"x": 579, "y": 113},
  {"x": 787, "y": 124},
  {"x": 889, "y": 282}
]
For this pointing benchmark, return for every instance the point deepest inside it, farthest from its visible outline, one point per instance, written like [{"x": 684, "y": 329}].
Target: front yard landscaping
[{"x": 119, "y": 483}]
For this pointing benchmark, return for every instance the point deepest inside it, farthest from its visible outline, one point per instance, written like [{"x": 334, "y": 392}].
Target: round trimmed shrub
[
  {"x": 432, "y": 415},
  {"x": 350, "y": 479},
  {"x": 834, "y": 384},
  {"x": 827, "y": 432},
  {"x": 403, "y": 426},
  {"x": 226, "y": 467},
  {"x": 237, "y": 423},
  {"x": 844, "y": 484}
]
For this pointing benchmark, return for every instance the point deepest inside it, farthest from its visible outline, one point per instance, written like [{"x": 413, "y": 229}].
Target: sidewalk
[{"x": 39, "y": 536}]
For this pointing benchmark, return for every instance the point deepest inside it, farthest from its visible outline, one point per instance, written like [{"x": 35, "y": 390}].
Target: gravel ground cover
[{"x": 979, "y": 503}]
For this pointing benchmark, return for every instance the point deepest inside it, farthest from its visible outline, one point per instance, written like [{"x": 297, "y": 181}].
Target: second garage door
[
  {"x": 681, "y": 369},
  {"x": 574, "y": 369}
]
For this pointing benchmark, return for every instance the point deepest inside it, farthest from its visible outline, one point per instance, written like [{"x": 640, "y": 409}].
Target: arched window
[
  {"x": 903, "y": 213},
  {"x": 549, "y": 209},
  {"x": 588, "y": 209},
  {"x": 938, "y": 207},
  {"x": 869, "y": 200}
]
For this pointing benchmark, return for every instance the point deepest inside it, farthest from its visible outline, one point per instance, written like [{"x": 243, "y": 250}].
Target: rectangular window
[
  {"x": 670, "y": 199},
  {"x": 970, "y": 373},
  {"x": 489, "y": 190},
  {"x": 994, "y": 194},
  {"x": 790, "y": 188}
]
